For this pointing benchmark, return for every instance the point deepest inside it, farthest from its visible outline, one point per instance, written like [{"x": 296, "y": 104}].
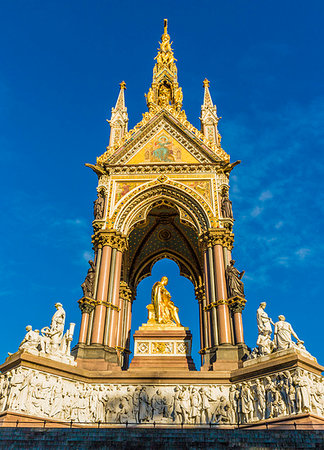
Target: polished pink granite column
[
  {"x": 223, "y": 317},
  {"x": 102, "y": 290},
  {"x": 113, "y": 329}
]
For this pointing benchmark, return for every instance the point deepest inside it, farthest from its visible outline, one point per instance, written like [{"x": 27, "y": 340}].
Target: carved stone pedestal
[
  {"x": 162, "y": 347},
  {"x": 96, "y": 357}
]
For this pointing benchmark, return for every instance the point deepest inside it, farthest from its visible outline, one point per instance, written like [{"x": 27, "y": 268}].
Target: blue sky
[{"x": 61, "y": 63}]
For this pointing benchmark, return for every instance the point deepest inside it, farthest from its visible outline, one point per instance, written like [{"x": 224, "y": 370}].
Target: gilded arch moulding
[
  {"x": 183, "y": 196},
  {"x": 187, "y": 269}
]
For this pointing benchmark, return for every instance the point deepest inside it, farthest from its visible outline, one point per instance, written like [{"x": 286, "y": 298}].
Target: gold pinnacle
[{"x": 122, "y": 85}]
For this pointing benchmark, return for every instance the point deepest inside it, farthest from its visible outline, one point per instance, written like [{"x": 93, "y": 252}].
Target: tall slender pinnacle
[
  {"x": 165, "y": 91},
  {"x": 208, "y": 117},
  {"x": 119, "y": 117}
]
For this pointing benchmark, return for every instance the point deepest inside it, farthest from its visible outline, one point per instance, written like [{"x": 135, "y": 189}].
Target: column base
[
  {"x": 224, "y": 357},
  {"x": 97, "y": 357}
]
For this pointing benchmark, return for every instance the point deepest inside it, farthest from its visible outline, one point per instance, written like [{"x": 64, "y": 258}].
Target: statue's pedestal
[{"x": 162, "y": 347}]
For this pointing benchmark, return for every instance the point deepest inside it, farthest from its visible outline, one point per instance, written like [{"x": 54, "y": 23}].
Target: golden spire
[
  {"x": 208, "y": 117},
  {"x": 119, "y": 117},
  {"x": 165, "y": 90}
]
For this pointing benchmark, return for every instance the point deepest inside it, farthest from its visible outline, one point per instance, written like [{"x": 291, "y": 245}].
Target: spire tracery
[{"x": 165, "y": 91}]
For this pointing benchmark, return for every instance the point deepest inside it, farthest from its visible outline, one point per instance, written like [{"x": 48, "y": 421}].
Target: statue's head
[
  {"x": 232, "y": 262},
  {"x": 164, "y": 280},
  {"x": 29, "y": 328},
  {"x": 263, "y": 305},
  {"x": 58, "y": 305},
  {"x": 281, "y": 317}
]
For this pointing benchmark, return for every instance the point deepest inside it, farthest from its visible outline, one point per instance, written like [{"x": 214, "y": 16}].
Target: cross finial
[
  {"x": 165, "y": 26},
  {"x": 206, "y": 83}
]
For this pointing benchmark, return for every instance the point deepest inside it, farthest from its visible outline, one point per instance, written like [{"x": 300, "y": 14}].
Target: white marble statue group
[
  {"x": 51, "y": 342},
  {"x": 282, "y": 339},
  {"x": 48, "y": 396}
]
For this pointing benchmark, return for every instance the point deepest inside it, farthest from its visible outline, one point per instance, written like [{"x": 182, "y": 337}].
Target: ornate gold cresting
[
  {"x": 112, "y": 238},
  {"x": 217, "y": 236}
]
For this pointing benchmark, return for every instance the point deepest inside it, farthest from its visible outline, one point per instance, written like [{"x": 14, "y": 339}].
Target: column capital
[
  {"x": 125, "y": 292},
  {"x": 86, "y": 304},
  {"x": 112, "y": 238},
  {"x": 200, "y": 293},
  {"x": 217, "y": 236},
  {"x": 236, "y": 304}
]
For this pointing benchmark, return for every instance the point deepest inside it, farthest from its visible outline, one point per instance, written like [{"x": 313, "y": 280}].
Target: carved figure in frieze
[
  {"x": 282, "y": 334},
  {"x": 260, "y": 396},
  {"x": 144, "y": 406},
  {"x": 315, "y": 394},
  {"x": 270, "y": 391},
  {"x": 98, "y": 206},
  {"x": 205, "y": 404},
  {"x": 177, "y": 410},
  {"x": 46, "y": 387},
  {"x": 235, "y": 285},
  {"x": 88, "y": 284},
  {"x": 158, "y": 406},
  {"x": 278, "y": 403},
  {"x": 101, "y": 405},
  {"x": 66, "y": 405},
  {"x": 36, "y": 398},
  {"x": 301, "y": 384},
  {"x": 221, "y": 412},
  {"x": 283, "y": 388},
  {"x": 136, "y": 404},
  {"x": 56, "y": 399},
  {"x": 125, "y": 406},
  {"x": 5, "y": 391},
  {"x": 226, "y": 205},
  {"x": 25, "y": 391},
  {"x": 185, "y": 403},
  {"x": 232, "y": 411},
  {"x": 16, "y": 381},
  {"x": 195, "y": 400},
  {"x": 246, "y": 404}
]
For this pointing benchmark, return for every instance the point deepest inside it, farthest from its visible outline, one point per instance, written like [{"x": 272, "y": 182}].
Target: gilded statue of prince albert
[{"x": 165, "y": 310}]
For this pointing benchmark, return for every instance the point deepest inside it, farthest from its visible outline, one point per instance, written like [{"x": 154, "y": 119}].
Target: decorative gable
[{"x": 161, "y": 149}]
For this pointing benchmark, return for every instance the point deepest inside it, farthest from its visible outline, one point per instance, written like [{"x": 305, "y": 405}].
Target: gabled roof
[{"x": 177, "y": 126}]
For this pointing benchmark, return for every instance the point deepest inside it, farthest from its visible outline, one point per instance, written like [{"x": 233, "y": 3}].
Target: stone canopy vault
[{"x": 162, "y": 192}]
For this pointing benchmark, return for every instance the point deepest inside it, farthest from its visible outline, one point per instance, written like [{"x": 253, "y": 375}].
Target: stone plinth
[{"x": 162, "y": 347}]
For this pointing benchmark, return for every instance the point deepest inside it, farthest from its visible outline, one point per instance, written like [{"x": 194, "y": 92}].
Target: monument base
[
  {"x": 268, "y": 392},
  {"x": 162, "y": 347}
]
